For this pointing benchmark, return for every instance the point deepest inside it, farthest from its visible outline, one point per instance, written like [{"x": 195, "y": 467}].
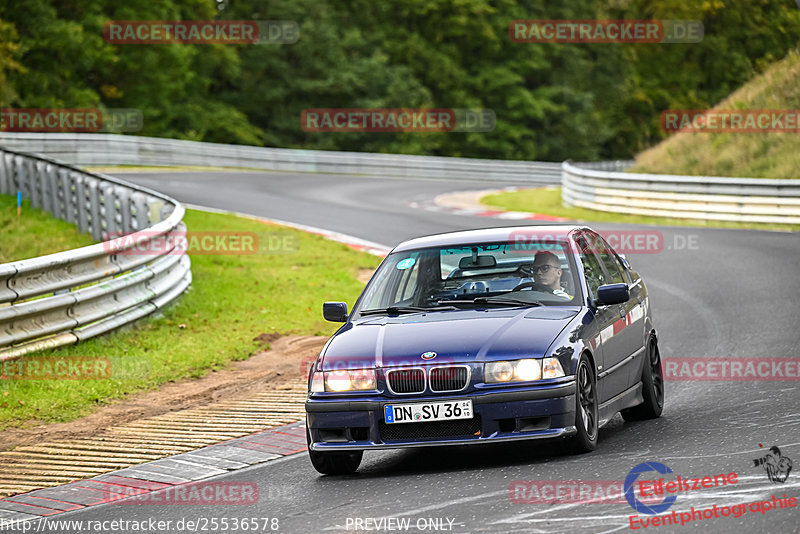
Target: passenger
[{"x": 547, "y": 272}]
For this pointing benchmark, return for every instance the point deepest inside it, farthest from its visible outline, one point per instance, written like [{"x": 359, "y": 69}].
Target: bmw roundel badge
[{"x": 428, "y": 355}]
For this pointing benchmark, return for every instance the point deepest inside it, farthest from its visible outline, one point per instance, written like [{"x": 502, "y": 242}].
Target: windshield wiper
[
  {"x": 397, "y": 310},
  {"x": 495, "y": 300}
]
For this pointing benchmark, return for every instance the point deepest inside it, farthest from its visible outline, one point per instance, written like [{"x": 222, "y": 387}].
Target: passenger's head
[{"x": 547, "y": 269}]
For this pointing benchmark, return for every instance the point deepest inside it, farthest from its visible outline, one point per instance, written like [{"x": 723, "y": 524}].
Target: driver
[{"x": 547, "y": 272}]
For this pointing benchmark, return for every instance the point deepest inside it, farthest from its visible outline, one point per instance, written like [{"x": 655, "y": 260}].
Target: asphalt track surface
[{"x": 714, "y": 293}]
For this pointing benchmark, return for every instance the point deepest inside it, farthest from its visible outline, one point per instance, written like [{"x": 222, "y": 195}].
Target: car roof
[{"x": 486, "y": 235}]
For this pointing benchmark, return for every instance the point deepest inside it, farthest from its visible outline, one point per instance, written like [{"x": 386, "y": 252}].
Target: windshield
[{"x": 475, "y": 275}]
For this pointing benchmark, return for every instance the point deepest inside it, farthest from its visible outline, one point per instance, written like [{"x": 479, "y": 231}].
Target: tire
[
  {"x": 652, "y": 388},
  {"x": 586, "y": 411},
  {"x": 334, "y": 463}
]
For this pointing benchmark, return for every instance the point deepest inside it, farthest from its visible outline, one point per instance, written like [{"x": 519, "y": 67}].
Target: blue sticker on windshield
[{"x": 405, "y": 264}]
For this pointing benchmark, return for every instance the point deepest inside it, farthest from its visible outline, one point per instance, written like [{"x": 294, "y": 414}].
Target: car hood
[{"x": 455, "y": 336}]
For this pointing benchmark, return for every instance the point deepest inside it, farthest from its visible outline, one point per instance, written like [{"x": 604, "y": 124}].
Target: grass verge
[
  {"x": 547, "y": 201},
  {"x": 233, "y": 299},
  {"x": 749, "y": 155},
  {"x": 34, "y": 233}
]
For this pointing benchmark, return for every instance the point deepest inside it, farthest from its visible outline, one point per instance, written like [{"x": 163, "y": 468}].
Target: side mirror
[
  {"x": 612, "y": 294},
  {"x": 335, "y": 311}
]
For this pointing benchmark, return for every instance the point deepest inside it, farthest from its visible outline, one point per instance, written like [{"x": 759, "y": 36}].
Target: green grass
[
  {"x": 747, "y": 155},
  {"x": 547, "y": 201},
  {"x": 34, "y": 233},
  {"x": 233, "y": 299}
]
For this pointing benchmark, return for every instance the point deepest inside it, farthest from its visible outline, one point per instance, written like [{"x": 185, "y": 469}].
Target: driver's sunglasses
[{"x": 543, "y": 268}]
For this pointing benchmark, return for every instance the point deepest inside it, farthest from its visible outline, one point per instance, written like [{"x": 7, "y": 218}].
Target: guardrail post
[
  {"x": 35, "y": 180},
  {"x": 82, "y": 202},
  {"x": 64, "y": 196},
  {"x": 95, "y": 220},
  {"x": 21, "y": 177},
  {"x": 124, "y": 211},
  {"x": 140, "y": 218},
  {"x": 5, "y": 174},
  {"x": 50, "y": 191},
  {"x": 108, "y": 203}
]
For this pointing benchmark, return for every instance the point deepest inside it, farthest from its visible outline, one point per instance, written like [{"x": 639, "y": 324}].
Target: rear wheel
[
  {"x": 586, "y": 419},
  {"x": 334, "y": 463},
  {"x": 652, "y": 387}
]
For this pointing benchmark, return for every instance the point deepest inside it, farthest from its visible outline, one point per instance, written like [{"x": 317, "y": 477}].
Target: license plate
[{"x": 429, "y": 411}]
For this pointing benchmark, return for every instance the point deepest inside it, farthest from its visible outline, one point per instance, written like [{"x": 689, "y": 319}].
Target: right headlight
[
  {"x": 344, "y": 380},
  {"x": 525, "y": 370}
]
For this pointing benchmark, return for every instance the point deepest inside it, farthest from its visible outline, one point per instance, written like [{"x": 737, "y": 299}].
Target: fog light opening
[{"x": 530, "y": 424}]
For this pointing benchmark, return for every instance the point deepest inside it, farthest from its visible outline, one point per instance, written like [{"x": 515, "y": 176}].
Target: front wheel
[
  {"x": 652, "y": 387},
  {"x": 586, "y": 416},
  {"x": 334, "y": 463}
]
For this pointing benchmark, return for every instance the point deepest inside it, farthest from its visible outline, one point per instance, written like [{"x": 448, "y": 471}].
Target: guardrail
[
  {"x": 110, "y": 149},
  {"x": 62, "y": 298},
  {"x": 598, "y": 187}
]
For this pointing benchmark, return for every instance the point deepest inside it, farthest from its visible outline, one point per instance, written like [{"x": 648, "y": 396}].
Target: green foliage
[
  {"x": 9, "y": 50},
  {"x": 552, "y": 101}
]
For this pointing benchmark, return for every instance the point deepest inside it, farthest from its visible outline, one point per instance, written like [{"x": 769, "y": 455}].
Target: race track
[{"x": 734, "y": 294}]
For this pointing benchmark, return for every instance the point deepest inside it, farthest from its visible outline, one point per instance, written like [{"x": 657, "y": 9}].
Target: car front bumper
[{"x": 518, "y": 414}]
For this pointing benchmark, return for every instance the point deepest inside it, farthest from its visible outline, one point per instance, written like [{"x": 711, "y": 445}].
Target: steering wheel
[{"x": 533, "y": 285}]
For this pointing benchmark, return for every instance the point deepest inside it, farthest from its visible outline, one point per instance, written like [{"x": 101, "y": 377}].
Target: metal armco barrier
[
  {"x": 599, "y": 187},
  {"x": 63, "y": 298},
  {"x": 109, "y": 149}
]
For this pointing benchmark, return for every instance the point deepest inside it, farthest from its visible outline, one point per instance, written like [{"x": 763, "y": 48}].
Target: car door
[
  {"x": 635, "y": 311},
  {"x": 611, "y": 378},
  {"x": 628, "y": 330}
]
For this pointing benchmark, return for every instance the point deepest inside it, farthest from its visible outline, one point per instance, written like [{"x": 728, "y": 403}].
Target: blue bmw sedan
[{"x": 532, "y": 332}]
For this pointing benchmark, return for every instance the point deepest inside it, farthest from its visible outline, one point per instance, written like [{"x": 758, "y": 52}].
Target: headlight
[
  {"x": 525, "y": 370},
  {"x": 498, "y": 372},
  {"x": 346, "y": 380},
  {"x": 338, "y": 381},
  {"x": 551, "y": 368},
  {"x": 528, "y": 370},
  {"x": 363, "y": 379}
]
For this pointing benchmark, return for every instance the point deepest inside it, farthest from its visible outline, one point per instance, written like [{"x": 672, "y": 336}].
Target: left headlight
[
  {"x": 525, "y": 370},
  {"x": 345, "y": 380}
]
